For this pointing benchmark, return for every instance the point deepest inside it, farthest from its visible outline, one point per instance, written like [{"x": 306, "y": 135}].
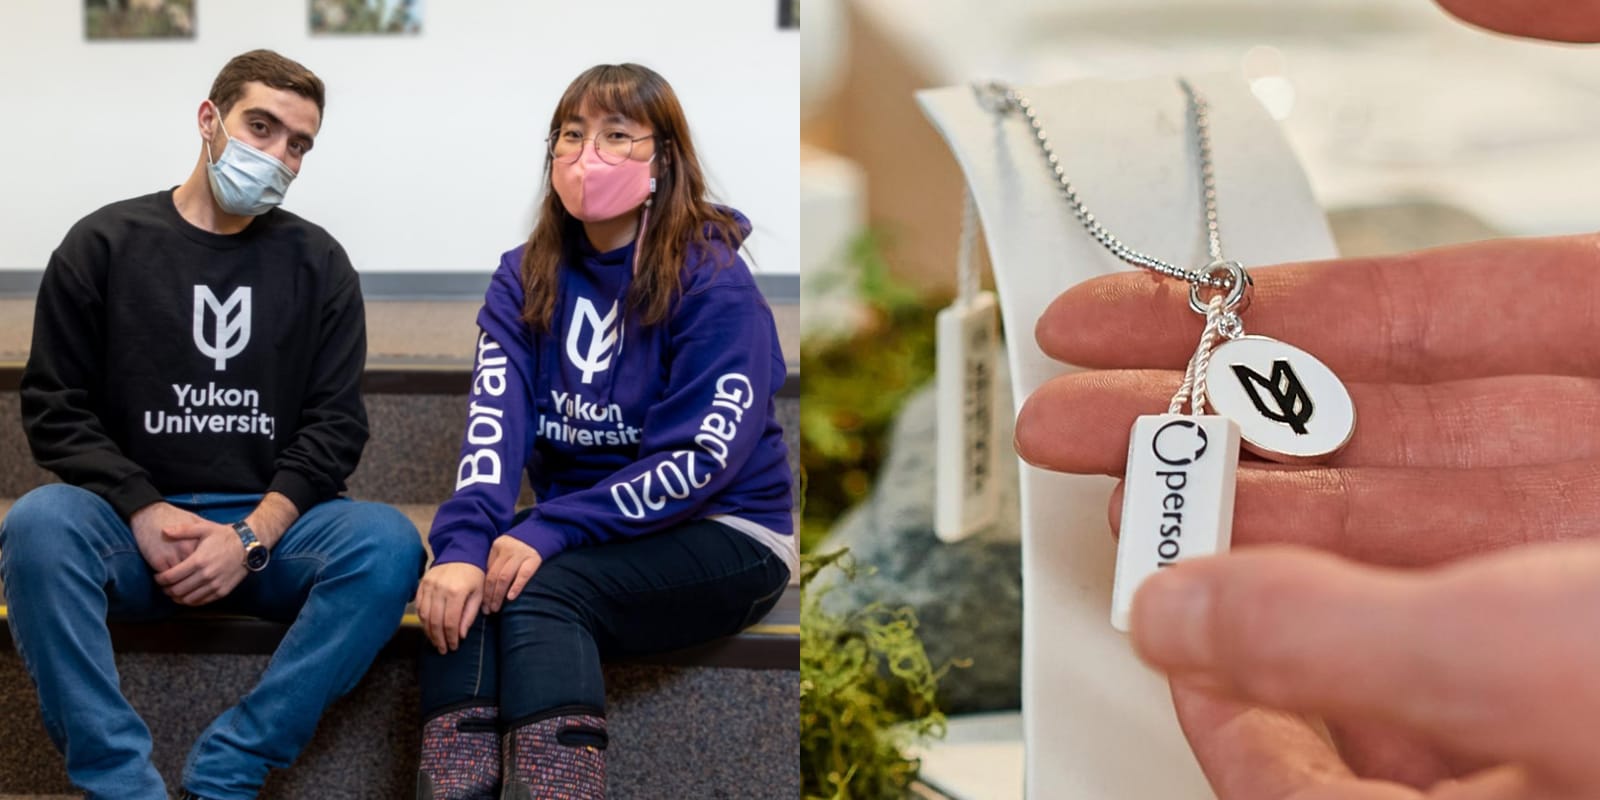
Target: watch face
[{"x": 255, "y": 558}]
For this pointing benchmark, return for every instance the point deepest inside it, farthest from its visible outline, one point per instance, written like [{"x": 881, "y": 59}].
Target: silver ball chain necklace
[{"x": 1272, "y": 398}]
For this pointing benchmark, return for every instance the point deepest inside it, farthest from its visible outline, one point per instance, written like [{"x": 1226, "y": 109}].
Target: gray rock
[{"x": 967, "y": 594}]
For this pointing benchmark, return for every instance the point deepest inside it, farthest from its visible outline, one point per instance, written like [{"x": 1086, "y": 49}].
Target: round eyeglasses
[{"x": 613, "y": 146}]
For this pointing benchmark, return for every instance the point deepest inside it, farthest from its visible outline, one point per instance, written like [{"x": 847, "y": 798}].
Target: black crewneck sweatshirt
[{"x": 169, "y": 360}]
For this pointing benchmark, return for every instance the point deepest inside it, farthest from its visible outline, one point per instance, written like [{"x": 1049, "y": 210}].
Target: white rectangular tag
[
  {"x": 967, "y": 497},
  {"x": 1177, "y": 501}
]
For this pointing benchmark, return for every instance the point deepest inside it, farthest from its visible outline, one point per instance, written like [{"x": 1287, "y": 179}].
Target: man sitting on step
[{"x": 194, "y": 380}]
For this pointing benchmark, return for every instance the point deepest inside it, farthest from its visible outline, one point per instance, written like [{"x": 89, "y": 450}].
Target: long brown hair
[{"x": 681, "y": 217}]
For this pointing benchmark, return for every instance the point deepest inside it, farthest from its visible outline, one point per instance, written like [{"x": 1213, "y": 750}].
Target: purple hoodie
[{"x": 623, "y": 429}]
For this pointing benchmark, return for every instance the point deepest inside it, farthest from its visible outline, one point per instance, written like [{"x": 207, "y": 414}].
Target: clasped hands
[{"x": 196, "y": 561}]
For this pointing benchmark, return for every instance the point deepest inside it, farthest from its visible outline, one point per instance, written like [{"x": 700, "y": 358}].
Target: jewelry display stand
[{"x": 1097, "y": 723}]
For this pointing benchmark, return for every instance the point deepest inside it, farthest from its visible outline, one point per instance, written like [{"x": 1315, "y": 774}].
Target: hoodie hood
[{"x": 743, "y": 223}]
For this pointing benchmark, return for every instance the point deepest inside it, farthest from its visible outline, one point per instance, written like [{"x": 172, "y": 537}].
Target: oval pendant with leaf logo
[{"x": 1289, "y": 406}]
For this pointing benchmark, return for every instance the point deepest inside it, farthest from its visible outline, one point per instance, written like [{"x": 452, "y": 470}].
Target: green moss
[{"x": 867, "y": 691}]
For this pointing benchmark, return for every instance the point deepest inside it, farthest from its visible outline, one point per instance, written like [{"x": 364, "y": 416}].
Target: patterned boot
[
  {"x": 559, "y": 758},
  {"x": 460, "y": 755}
]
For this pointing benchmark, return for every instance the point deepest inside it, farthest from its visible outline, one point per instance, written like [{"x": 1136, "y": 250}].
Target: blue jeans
[
  {"x": 342, "y": 575},
  {"x": 540, "y": 655}
]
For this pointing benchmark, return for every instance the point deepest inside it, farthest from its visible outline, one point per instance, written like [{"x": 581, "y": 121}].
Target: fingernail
[
  {"x": 1171, "y": 621},
  {"x": 1023, "y": 432}
]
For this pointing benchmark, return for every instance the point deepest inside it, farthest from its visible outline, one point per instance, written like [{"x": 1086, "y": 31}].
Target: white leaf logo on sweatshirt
[
  {"x": 232, "y": 329},
  {"x": 605, "y": 333}
]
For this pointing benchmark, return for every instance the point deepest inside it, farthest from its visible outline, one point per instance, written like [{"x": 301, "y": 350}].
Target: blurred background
[
  {"x": 1387, "y": 102},
  {"x": 1414, "y": 128}
]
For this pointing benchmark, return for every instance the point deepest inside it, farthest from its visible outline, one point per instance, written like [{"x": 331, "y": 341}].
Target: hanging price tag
[
  {"x": 1177, "y": 501},
  {"x": 967, "y": 497}
]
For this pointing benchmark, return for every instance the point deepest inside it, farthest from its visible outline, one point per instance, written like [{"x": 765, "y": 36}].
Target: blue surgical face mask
[{"x": 246, "y": 181}]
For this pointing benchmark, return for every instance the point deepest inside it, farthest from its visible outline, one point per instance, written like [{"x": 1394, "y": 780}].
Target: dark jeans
[
  {"x": 341, "y": 575},
  {"x": 541, "y": 653}
]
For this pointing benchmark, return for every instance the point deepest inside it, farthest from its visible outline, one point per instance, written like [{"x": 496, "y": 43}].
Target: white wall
[{"x": 430, "y": 153}]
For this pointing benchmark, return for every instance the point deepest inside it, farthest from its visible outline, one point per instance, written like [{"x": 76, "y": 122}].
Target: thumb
[
  {"x": 469, "y": 613},
  {"x": 1490, "y": 656},
  {"x": 1563, "y": 21}
]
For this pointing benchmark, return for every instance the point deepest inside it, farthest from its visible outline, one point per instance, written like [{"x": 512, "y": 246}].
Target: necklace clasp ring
[{"x": 1239, "y": 286}]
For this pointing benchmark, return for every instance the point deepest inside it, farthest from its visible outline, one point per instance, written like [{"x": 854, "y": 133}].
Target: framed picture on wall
[
  {"x": 138, "y": 19},
  {"x": 788, "y": 13},
  {"x": 392, "y": 17}
]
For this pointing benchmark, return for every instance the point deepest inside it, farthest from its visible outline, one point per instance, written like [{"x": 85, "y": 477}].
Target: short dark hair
[{"x": 266, "y": 67}]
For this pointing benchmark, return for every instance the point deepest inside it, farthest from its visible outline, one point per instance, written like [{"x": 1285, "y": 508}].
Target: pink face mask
[{"x": 593, "y": 190}]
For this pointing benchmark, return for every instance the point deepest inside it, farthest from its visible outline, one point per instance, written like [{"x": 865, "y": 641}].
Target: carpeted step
[
  {"x": 677, "y": 732},
  {"x": 416, "y": 410},
  {"x": 716, "y": 721},
  {"x": 772, "y": 643}
]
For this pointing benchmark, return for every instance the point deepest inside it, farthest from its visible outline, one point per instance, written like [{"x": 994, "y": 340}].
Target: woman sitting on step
[{"x": 627, "y": 362}]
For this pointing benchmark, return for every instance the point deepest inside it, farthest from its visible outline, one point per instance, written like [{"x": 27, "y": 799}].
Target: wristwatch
[{"x": 255, "y": 553}]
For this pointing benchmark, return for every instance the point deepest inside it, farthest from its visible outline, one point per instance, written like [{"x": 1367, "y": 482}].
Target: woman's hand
[
  {"x": 447, "y": 601},
  {"x": 511, "y": 565}
]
